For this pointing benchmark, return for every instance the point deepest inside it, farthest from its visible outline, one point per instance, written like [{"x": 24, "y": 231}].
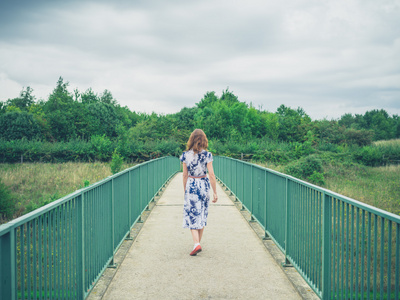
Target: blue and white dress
[{"x": 197, "y": 191}]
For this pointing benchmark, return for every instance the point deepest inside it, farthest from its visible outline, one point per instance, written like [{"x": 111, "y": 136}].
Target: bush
[
  {"x": 116, "y": 162},
  {"x": 304, "y": 167},
  {"x": 102, "y": 147},
  {"x": 316, "y": 178},
  {"x": 369, "y": 156},
  {"x": 7, "y": 202}
]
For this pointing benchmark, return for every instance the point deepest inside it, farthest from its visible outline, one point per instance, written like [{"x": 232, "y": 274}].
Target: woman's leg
[
  {"x": 195, "y": 235},
  {"x": 200, "y": 234}
]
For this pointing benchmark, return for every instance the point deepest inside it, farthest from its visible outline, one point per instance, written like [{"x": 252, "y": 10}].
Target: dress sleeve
[
  {"x": 183, "y": 157},
  {"x": 209, "y": 157}
]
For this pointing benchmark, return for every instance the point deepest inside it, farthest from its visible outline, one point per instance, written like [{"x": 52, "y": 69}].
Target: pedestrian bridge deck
[{"x": 234, "y": 263}]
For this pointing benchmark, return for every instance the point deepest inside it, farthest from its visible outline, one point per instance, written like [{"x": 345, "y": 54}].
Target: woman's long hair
[{"x": 197, "y": 141}]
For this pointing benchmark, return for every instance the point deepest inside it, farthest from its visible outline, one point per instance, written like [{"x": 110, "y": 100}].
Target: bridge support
[
  {"x": 266, "y": 236},
  {"x": 112, "y": 264},
  {"x": 128, "y": 236},
  {"x": 286, "y": 263}
]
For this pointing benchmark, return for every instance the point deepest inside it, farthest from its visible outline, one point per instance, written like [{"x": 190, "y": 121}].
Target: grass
[{"x": 33, "y": 185}]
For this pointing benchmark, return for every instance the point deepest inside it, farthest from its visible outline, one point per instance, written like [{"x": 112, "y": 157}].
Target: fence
[
  {"x": 60, "y": 250},
  {"x": 343, "y": 248}
]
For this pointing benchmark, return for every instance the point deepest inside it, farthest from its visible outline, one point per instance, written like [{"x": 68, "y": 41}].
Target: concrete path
[{"x": 234, "y": 263}]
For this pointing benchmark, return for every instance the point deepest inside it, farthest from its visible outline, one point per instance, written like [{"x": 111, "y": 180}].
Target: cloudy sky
[{"x": 329, "y": 57}]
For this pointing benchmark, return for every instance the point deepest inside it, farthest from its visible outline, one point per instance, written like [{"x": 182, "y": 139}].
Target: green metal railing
[
  {"x": 60, "y": 250},
  {"x": 343, "y": 248}
]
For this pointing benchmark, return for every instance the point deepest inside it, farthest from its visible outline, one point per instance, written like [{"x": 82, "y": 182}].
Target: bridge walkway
[{"x": 234, "y": 263}]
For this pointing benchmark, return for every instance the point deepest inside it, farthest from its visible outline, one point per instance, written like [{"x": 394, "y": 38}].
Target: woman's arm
[
  {"x": 185, "y": 176},
  {"x": 213, "y": 181}
]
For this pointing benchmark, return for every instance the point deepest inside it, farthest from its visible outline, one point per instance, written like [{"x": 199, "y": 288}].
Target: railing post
[
  {"x": 128, "y": 237},
  {"x": 81, "y": 291},
  {"x": 286, "y": 263},
  {"x": 112, "y": 263},
  {"x": 8, "y": 267},
  {"x": 326, "y": 247},
  {"x": 266, "y": 236}
]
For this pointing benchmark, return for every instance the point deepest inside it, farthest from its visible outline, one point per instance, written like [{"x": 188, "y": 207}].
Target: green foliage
[
  {"x": 305, "y": 167},
  {"x": 7, "y": 202},
  {"x": 18, "y": 125},
  {"x": 369, "y": 156},
  {"x": 90, "y": 126},
  {"x": 102, "y": 147},
  {"x": 116, "y": 162},
  {"x": 24, "y": 101},
  {"x": 317, "y": 178}
]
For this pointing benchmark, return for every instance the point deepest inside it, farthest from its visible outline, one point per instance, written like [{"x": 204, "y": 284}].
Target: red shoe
[{"x": 195, "y": 251}]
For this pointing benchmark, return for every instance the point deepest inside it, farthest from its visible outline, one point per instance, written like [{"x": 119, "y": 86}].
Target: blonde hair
[{"x": 197, "y": 141}]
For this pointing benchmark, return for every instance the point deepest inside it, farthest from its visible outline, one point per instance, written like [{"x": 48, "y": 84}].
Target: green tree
[
  {"x": 24, "y": 101},
  {"x": 17, "y": 125},
  {"x": 290, "y": 121},
  {"x": 89, "y": 97}
]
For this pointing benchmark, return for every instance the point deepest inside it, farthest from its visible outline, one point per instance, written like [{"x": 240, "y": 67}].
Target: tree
[
  {"x": 17, "y": 125},
  {"x": 59, "y": 112},
  {"x": 208, "y": 99},
  {"x": 89, "y": 97},
  {"x": 290, "y": 121}
]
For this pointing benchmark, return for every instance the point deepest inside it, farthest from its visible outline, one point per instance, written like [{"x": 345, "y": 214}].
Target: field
[{"x": 34, "y": 184}]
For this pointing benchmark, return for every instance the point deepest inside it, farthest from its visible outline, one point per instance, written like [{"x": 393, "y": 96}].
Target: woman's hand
[{"x": 215, "y": 198}]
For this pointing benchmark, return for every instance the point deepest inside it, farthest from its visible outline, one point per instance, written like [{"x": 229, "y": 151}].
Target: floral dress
[{"x": 197, "y": 191}]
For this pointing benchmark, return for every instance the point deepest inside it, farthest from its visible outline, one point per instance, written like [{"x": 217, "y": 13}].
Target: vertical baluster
[
  {"x": 357, "y": 250},
  {"x": 375, "y": 254},
  {"x": 369, "y": 256},
  {"x": 389, "y": 259},
  {"x": 40, "y": 259},
  {"x": 46, "y": 246},
  {"x": 342, "y": 242},
  {"x": 22, "y": 260},
  {"x": 362, "y": 252},
  {"x": 346, "y": 260},
  {"x": 59, "y": 251},
  {"x": 334, "y": 254},
  {"x": 64, "y": 238},
  {"x": 352, "y": 253},
  {"x": 28, "y": 257},
  {"x": 397, "y": 265},
  {"x": 382, "y": 255}
]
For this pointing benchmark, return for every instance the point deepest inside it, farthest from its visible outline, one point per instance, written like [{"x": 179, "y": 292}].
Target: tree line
[{"x": 88, "y": 126}]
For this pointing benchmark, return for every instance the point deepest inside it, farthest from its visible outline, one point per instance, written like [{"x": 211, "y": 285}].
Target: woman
[{"x": 196, "y": 161}]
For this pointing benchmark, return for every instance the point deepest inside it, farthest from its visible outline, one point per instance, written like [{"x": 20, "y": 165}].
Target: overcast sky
[{"x": 329, "y": 57}]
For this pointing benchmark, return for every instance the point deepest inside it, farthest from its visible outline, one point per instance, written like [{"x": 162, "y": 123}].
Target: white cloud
[{"x": 154, "y": 56}]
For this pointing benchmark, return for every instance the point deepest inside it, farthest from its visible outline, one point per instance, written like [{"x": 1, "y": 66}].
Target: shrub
[
  {"x": 316, "y": 178},
  {"x": 102, "y": 147},
  {"x": 116, "y": 162},
  {"x": 369, "y": 156},
  {"x": 304, "y": 167}
]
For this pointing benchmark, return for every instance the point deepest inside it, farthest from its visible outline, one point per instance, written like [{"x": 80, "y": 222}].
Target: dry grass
[
  {"x": 35, "y": 184},
  {"x": 377, "y": 186},
  {"x": 395, "y": 142}
]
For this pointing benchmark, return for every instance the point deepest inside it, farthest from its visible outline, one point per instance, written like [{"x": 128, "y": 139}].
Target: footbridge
[{"x": 270, "y": 236}]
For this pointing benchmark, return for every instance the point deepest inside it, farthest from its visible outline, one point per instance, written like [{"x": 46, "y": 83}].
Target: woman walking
[{"x": 196, "y": 161}]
